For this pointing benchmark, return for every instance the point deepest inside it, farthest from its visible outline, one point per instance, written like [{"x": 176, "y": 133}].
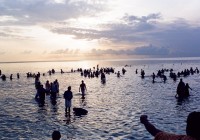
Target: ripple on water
[{"x": 113, "y": 108}]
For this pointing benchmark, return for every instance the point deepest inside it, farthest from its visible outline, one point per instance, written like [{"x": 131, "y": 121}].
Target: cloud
[
  {"x": 181, "y": 39},
  {"x": 122, "y": 31},
  {"x": 6, "y": 32},
  {"x": 178, "y": 38},
  {"x": 13, "y": 32},
  {"x": 44, "y": 52},
  {"x": 131, "y": 19},
  {"x": 26, "y": 52},
  {"x": 143, "y": 50},
  {"x": 61, "y": 51},
  {"x": 42, "y": 11},
  {"x": 151, "y": 50},
  {"x": 108, "y": 51},
  {"x": 2, "y": 53},
  {"x": 7, "y": 18},
  {"x": 65, "y": 51},
  {"x": 2, "y": 34}
]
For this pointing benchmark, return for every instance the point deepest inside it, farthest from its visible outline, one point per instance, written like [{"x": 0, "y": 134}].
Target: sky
[{"x": 46, "y": 30}]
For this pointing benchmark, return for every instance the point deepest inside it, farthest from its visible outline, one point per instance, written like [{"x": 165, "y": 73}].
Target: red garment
[{"x": 168, "y": 136}]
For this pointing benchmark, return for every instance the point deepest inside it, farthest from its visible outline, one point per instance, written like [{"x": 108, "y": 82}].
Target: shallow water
[{"x": 113, "y": 108}]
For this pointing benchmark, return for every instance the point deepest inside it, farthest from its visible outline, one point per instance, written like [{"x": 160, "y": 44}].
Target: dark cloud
[
  {"x": 151, "y": 50},
  {"x": 37, "y": 11},
  {"x": 178, "y": 38},
  {"x": 144, "y": 50}
]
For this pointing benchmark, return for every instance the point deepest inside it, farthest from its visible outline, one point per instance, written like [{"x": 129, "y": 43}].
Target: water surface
[{"x": 113, "y": 108}]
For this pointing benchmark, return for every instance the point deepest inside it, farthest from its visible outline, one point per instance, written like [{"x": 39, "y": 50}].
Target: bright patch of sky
[{"x": 98, "y": 27}]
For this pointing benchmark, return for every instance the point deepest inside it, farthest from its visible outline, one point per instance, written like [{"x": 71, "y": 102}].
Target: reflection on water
[{"x": 113, "y": 108}]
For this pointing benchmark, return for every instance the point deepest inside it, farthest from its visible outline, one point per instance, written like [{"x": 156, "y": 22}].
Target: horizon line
[{"x": 114, "y": 59}]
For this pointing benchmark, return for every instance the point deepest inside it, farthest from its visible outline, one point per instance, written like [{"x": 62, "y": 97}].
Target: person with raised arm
[{"x": 192, "y": 129}]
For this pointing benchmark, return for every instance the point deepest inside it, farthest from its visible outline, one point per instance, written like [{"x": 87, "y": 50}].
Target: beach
[{"x": 114, "y": 108}]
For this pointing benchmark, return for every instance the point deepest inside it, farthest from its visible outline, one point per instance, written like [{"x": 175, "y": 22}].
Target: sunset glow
[{"x": 63, "y": 29}]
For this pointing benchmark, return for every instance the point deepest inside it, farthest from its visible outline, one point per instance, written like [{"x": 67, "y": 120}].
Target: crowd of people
[
  {"x": 173, "y": 75},
  {"x": 52, "y": 89},
  {"x": 182, "y": 90}
]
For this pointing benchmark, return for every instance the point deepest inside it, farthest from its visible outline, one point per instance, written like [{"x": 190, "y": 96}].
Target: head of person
[
  {"x": 69, "y": 87},
  {"x": 56, "y": 135},
  {"x": 193, "y": 125},
  {"x": 181, "y": 80},
  {"x": 82, "y": 81}
]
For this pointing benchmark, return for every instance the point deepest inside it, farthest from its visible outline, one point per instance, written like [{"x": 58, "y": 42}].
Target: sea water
[{"x": 114, "y": 108}]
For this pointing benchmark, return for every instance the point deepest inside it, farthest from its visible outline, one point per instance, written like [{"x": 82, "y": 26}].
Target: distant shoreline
[{"x": 131, "y": 59}]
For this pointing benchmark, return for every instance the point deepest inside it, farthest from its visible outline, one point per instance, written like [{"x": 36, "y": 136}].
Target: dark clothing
[
  {"x": 41, "y": 92},
  {"x": 82, "y": 86},
  {"x": 68, "y": 95},
  {"x": 68, "y": 103},
  {"x": 187, "y": 90},
  {"x": 181, "y": 89},
  {"x": 168, "y": 136},
  {"x": 103, "y": 76}
]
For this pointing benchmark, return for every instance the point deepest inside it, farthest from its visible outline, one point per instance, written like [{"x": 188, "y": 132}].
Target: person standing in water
[
  {"x": 103, "y": 77},
  {"x": 17, "y": 75},
  {"x": 68, "y": 95},
  {"x": 187, "y": 92},
  {"x": 180, "y": 89},
  {"x": 118, "y": 74},
  {"x": 47, "y": 87},
  {"x": 41, "y": 93},
  {"x": 82, "y": 88},
  {"x": 153, "y": 76}
]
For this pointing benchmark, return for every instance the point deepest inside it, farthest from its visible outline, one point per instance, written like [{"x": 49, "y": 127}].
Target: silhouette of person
[
  {"x": 180, "y": 89},
  {"x": 118, "y": 74},
  {"x": 68, "y": 95},
  {"x": 56, "y": 135},
  {"x": 153, "y": 76},
  {"x": 82, "y": 88},
  {"x": 187, "y": 92},
  {"x": 192, "y": 129}
]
